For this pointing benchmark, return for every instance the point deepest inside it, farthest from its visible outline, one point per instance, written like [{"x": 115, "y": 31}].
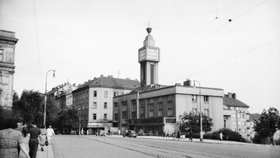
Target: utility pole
[
  {"x": 200, "y": 109},
  {"x": 45, "y": 103}
]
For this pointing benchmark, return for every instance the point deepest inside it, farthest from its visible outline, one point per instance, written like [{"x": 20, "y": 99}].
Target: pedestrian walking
[
  {"x": 43, "y": 138},
  {"x": 10, "y": 140},
  {"x": 24, "y": 130},
  {"x": 178, "y": 135},
  {"x": 191, "y": 135},
  {"x": 34, "y": 140},
  {"x": 50, "y": 133},
  {"x": 221, "y": 136}
]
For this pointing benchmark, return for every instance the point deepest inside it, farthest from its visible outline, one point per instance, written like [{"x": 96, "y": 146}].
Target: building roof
[
  {"x": 7, "y": 36},
  {"x": 228, "y": 101},
  {"x": 253, "y": 117},
  {"x": 111, "y": 82}
]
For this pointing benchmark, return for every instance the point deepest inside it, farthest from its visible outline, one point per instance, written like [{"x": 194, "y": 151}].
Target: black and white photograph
[{"x": 139, "y": 78}]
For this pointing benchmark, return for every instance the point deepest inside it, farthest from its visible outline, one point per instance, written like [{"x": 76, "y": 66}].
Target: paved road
[{"x": 112, "y": 147}]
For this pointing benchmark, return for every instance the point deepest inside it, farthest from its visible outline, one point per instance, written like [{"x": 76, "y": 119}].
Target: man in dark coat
[
  {"x": 191, "y": 135},
  {"x": 33, "y": 141}
]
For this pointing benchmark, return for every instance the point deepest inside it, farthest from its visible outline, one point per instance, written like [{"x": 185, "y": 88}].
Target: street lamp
[
  {"x": 45, "y": 103},
  {"x": 200, "y": 113}
]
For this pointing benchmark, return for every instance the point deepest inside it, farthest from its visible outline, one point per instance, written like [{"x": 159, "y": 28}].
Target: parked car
[{"x": 130, "y": 133}]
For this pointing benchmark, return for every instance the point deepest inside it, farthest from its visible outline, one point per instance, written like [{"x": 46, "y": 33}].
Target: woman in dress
[{"x": 10, "y": 140}]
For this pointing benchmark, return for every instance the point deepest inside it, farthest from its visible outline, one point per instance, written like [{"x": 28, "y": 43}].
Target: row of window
[
  {"x": 94, "y": 116},
  {"x": 205, "y": 111},
  {"x": 239, "y": 109},
  {"x": 240, "y": 115},
  {"x": 105, "y": 105},
  {"x": 195, "y": 98},
  {"x": 106, "y": 94}
]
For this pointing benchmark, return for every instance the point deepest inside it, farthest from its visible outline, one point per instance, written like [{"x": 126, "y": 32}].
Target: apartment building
[
  {"x": 62, "y": 95},
  {"x": 94, "y": 100},
  {"x": 236, "y": 115}
]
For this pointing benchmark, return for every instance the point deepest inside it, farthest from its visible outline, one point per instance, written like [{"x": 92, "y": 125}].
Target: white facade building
[{"x": 94, "y": 100}]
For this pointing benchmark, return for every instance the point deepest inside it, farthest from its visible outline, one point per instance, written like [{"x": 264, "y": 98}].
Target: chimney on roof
[
  {"x": 188, "y": 83},
  {"x": 234, "y": 95},
  {"x": 231, "y": 95}
]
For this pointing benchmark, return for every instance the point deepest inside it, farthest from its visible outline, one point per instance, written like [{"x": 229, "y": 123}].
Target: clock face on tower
[
  {"x": 142, "y": 55},
  {"x": 152, "y": 54},
  {"x": 149, "y": 54}
]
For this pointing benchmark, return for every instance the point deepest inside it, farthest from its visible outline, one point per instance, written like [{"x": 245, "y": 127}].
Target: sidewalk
[{"x": 47, "y": 153}]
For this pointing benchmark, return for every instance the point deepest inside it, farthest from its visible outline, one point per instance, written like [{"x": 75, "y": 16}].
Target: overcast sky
[{"x": 82, "y": 39}]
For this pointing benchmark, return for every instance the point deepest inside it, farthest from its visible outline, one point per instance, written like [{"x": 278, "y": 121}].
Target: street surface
[{"x": 73, "y": 146}]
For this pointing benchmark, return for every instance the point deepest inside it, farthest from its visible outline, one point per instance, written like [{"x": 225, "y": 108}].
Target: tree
[
  {"x": 192, "y": 121},
  {"x": 267, "y": 125},
  {"x": 30, "y": 107},
  {"x": 67, "y": 120}
]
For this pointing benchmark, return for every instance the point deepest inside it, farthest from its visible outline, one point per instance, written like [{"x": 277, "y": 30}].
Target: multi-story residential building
[
  {"x": 155, "y": 108},
  {"x": 62, "y": 95},
  {"x": 7, "y": 67},
  {"x": 94, "y": 100},
  {"x": 236, "y": 115}
]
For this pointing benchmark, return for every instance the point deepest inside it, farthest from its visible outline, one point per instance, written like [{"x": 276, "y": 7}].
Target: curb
[{"x": 208, "y": 141}]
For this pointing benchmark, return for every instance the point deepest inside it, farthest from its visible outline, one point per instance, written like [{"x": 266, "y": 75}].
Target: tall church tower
[
  {"x": 148, "y": 57},
  {"x": 7, "y": 67}
]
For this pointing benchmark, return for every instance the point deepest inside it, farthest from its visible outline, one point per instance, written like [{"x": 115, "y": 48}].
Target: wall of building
[
  {"x": 7, "y": 56},
  {"x": 184, "y": 103},
  {"x": 216, "y": 112},
  {"x": 175, "y": 101}
]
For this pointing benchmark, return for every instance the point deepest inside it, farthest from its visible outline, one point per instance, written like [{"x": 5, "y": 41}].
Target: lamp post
[
  {"x": 200, "y": 109},
  {"x": 45, "y": 103}
]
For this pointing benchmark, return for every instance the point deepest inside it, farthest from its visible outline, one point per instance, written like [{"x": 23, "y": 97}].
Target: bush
[{"x": 227, "y": 135}]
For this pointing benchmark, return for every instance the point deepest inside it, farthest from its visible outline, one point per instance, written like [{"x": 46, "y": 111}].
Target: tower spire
[{"x": 149, "y": 29}]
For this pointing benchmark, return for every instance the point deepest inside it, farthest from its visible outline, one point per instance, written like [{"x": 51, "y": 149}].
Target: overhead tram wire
[
  {"x": 199, "y": 28},
  {"x": 229, "y": 20},
  {"x": 248, "y": 10},
  {"x": 235, "y": 19},
  {"x": 197, "y": 41},
  {"x": 258, "y": 25},
  {"x": 37, "y": 40},
  {"x": 245, "y": 12},
  {"x": 233, "y": 57}
]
